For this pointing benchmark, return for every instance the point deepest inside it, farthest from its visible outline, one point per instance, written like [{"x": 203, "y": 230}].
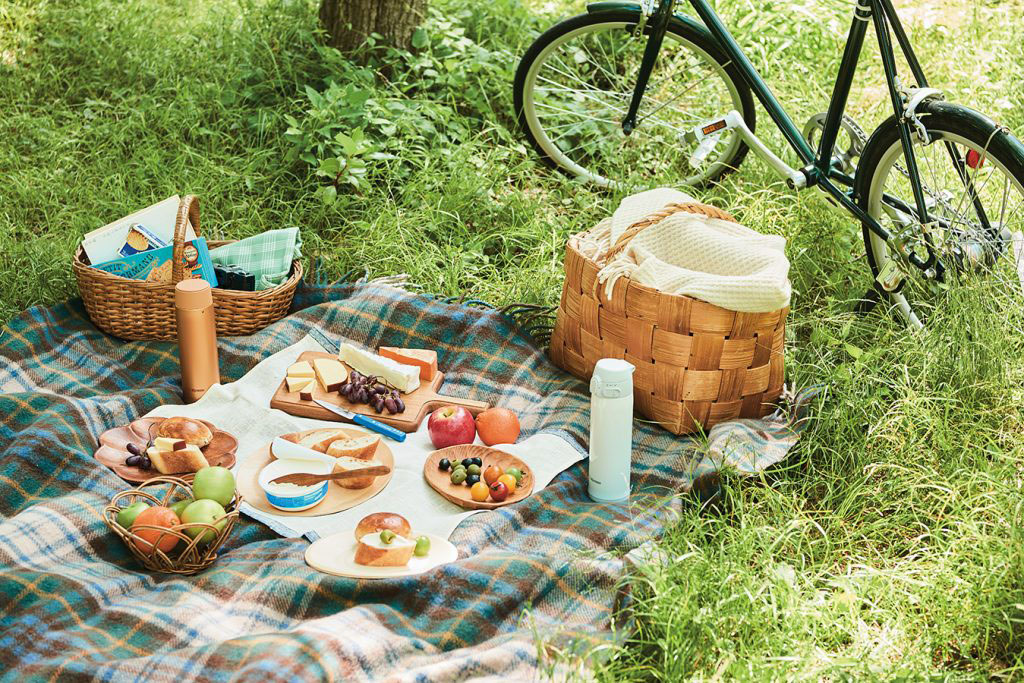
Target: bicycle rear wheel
[
  {"x": 972, "y": 173},
  {"x": 574, "y": 85}
]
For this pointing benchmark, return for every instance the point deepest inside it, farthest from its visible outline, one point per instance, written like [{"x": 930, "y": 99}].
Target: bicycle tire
[
  {"x": 688, "y": 33},
  {"x": 942, "y": 120}
]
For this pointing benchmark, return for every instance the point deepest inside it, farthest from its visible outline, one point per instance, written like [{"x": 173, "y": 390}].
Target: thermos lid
[
  {"x": 613, "y": 370},
  {"x": 193, "y": 294}
]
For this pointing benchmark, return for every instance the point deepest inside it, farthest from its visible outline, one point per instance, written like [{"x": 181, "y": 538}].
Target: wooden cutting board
[{"x": 418, "y": 404}]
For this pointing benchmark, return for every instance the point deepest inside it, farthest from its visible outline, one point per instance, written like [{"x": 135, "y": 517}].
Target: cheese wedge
[
  {"x": 298, "y": 383},
  {"x": 301, "y": 369},
  {"x": 405, "y": 378},
  {"x": 167, "y": 443},
  {"x": 188, "y": 459},
  {"x": 330, "y": 372},
  {"x": 424, "y": 359}
]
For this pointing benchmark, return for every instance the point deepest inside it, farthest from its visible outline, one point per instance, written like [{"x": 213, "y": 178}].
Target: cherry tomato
[
  {"x": 492, "y": 473},
  {"x": 509, "y": 481},
  {"x": 499, "y": 491},
  {"x": 479, "y": 492}
]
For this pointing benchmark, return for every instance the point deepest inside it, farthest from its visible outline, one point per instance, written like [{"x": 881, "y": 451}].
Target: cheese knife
[
  {"x": 308, "y": 479},
  {"x": 363, "y": 420}
]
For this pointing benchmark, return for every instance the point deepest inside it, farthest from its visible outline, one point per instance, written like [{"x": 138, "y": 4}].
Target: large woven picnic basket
[
  {"x": 697, "y": 364},
  {"x": 134, "y": 309}
]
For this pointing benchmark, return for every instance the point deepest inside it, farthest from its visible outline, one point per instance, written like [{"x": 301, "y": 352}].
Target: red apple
[{"x": 451, "y": 426}]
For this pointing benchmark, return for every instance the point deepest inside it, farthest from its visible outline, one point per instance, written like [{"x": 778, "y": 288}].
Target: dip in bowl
[{"x": 289, "y": 497}]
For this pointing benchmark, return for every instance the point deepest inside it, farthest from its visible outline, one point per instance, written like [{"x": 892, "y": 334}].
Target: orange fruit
[
  {"x": 157, "y": 516},
  {"x": 497, "y": 425},
  {"x": 509, "y": 481},
  {"x": 479, "y": 492},
  {"x": 492, "y": 473}
]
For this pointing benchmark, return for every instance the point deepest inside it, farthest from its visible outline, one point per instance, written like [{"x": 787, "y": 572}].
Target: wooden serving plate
[
  {"x": 418, "y": 404},
  {"x": 459, "y": 493},
  {"x": 337, "y": 498},
  {"x": 335, "y": 554},
  {"x": 113, "y": 448}
]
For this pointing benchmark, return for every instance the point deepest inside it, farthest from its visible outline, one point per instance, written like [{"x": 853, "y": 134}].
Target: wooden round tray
[
  {"x": 337, "y": 498},
  {"x": 459, "y": 493},
  {"x": 113, "y": 444}
]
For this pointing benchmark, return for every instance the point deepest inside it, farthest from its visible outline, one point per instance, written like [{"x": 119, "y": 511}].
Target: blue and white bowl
[{"x": 289, "y": 497}]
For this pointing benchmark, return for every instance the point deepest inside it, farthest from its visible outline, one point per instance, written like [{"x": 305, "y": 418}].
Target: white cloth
[
  {"x": 721, "y": 262},
  {"x": 242, "y": 408}
]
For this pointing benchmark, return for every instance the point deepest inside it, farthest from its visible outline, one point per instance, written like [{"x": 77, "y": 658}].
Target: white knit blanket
[{"x": 721, "y": 262}]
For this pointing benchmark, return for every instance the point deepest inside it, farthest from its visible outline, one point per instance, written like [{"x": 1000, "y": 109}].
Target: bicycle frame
[{"x": 820, "y": 168}]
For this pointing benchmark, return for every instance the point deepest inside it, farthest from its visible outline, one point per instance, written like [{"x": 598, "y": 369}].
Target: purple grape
[
  {"x": 400, "y": 404},
  {"x": 133, "y": 460},
  {"x": 390, "y": 404},
  {"x": 145, "y": 463},
  {"x": 380, "y": 389},
  {"x": 133, "y": 449}
]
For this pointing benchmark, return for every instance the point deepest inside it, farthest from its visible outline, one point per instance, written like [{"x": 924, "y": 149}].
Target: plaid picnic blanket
[{"x": 538, "y": 584}]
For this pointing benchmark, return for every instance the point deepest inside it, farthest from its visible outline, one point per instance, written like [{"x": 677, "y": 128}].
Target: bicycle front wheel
[
  {"x": 972, "y": 179},
  {"x": 574, "y": 85}
]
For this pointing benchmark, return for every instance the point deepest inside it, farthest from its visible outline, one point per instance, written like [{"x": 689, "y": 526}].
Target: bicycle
[{"x": 585, "y": 97}]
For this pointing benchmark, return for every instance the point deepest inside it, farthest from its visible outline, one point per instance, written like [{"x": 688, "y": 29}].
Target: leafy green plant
[{"x": 402, "y": 112}]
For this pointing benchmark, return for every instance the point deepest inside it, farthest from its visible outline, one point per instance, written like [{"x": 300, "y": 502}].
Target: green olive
[
  {"x": 387, "y": 536},
  {"x": 458, "y": 476},
  {"x": 422, "y": 546},
  {"x": 473, "y": 469}
]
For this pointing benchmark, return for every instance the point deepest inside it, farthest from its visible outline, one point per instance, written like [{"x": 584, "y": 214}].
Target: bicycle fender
[{"x": 625, "y": 6}]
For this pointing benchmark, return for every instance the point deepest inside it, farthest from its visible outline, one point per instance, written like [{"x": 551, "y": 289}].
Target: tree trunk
[{"x": 349, "y": 22}]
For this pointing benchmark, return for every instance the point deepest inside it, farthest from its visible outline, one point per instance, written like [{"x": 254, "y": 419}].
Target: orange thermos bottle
[{"x": 197, "y": 338}]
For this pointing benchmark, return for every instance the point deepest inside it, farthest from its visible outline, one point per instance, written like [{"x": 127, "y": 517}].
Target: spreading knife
[{"x": 363, "y": 420}]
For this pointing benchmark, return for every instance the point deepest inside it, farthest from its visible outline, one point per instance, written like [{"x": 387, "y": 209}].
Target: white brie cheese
[{"x": 405, "y": 378}]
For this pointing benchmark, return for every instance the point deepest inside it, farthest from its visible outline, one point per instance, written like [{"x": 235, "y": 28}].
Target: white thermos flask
[{"x": 611, "y": 430}]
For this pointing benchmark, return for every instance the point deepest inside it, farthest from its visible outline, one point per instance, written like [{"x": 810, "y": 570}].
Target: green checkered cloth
[{"x": 268, "y": 255}]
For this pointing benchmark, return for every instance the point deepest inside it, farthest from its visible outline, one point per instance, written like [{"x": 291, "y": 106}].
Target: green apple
[
  {"x": 203, "y": 511},
  {"x": 127, "y": 515},
  {"x": 180, "y": 506},
  {"x": 215, "y": 483}
]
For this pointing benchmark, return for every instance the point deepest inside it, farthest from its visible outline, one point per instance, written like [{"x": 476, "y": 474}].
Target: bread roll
[
  {"x": 379, "y": 521},
  {"x": 188, "y": 430},
  {"x": 361, "y": 448},
  {"x": 374, "y": 552}
]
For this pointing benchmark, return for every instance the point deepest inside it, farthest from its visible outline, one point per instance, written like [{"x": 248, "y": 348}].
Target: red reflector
[{"x": 974, "y": 159}]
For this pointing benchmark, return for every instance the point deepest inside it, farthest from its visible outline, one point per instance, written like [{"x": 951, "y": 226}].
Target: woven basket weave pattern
[
  {"x": 134, "y": 309},
  {"x": 697, "y": 364}
]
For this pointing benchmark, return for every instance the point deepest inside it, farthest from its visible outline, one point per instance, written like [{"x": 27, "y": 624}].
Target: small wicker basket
[
  {"x": 134, "y": 309},
  {"x": 697, "y": 364},
  {"x": 189, "y": 555}
]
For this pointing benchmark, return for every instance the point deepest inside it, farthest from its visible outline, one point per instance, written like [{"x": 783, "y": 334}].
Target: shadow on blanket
[{"x": 75, "y": 603}]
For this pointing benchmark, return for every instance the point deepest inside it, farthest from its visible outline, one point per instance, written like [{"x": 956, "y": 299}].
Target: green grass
[{"x": 891, "y": 545}]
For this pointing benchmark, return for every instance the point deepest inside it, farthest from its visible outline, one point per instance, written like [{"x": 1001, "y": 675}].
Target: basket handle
[
  {"x": 188, "y": 212},
  {"x": 649, "y": 220}
]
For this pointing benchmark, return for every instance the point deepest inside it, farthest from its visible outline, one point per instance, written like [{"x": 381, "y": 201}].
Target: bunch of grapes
[
  {"x": 137, "y": 457},
  {"x": 372, "y": 391}
]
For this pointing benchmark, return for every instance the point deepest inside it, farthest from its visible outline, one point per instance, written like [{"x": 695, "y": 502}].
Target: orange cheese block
[{"x": 424, "y": 359}]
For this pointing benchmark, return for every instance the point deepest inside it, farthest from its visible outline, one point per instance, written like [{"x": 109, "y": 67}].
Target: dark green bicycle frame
[{"x": 820, "y": 169}]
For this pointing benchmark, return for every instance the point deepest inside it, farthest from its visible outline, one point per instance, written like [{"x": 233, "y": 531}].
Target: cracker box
[{"x": 155, "y": 265}]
